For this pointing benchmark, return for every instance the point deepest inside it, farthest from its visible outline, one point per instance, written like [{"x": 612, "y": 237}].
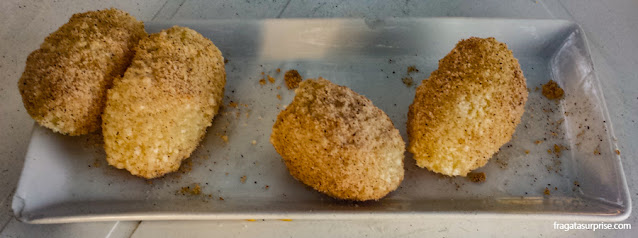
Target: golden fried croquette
[
  {"x": 468, "y": 108},
  {"x": 337, "y": 142},
  {"x": 157, "y": 114},
  {"x": 64, "y": 82}
]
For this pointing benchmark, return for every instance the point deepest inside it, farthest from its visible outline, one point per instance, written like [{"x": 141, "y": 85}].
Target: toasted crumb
[
  {"x": 557, "y": 150},
  {"x": 149, "y": 181},
  {"x": 526, "y": 151},
  {"x": 547, "y": 192},
  {"x": 278, "y": 70},
  {"x": 292, "y": 78},
  {"x": 596, "y": 151},
  {"x": 232, "y": 104},
  {"x": 412, "y": 68},
  {"x": 195, "y": 190},
  {"x": 254, "y": 142},
  {"x": 225, "y": 138},
  {"x": 262, "y": 73},
  {"x": 279, "y": 96},
  {"x": 477, "y": 177},
  {"x": 97, "y": 163},
  {"x": 538, "y": 142},
  {"x": 271, "y": 79},
  {"x": 285, "y": 219},
  {"x": 618, "y": 152},
  {"x": 186, "y": 167},
  {"x": 576, "y": 183},
  {"x": 262, "y": 81},
  {"x": 408, "y": 81},
  {"x": 243, "y": 179},
  {"x": 278, "y": 87},
  {"x": 226, "y": 61},
  {"x": 250, "y": 220},
  {"x": 552, "y": 91},
  {"x": 221, "y": 198}
]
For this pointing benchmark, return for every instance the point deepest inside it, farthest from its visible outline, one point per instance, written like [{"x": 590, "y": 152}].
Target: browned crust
[
  {"x": 468, "y": 108},
  {"x": 64, "y": 83},
  {"x": 339, "y": 143},
  {"x": 156, "y": 115}
]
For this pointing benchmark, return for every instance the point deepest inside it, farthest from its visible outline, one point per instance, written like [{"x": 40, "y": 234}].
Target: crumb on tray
[
  {"x": 408, "y": 81},
  {"x": 195, "y": 190},
  {"x": 596, "y": 151},
  {"x": 552, "y": 91},
  {"x": 477, "y": 177},
  {"x": 558, "y": 149},
  {"x": 292, "y": 78},
  {"x": 412, "y": 68}
]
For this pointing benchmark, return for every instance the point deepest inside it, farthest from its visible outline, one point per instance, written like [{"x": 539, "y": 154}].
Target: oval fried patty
[
  {"x": 468, "y": 108},
  {"x": 337, "y": 142},
  {"x": 156, "y": 115},
  {"x": 64, "y": 83}
]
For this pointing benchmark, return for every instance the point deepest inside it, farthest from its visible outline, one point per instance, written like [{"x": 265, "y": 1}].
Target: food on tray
[
  {"x": 408, "y": 81},
  {"x": 64, "y": 82},
  {"x": 156, "y": 115},
  {"x": 552, "y": 91},
  {"x": 468, "y": 108},
  {"x": 476, "y": 177},
  {"x": 292, "y": 78},
  {"x": 337, "y": 142}
]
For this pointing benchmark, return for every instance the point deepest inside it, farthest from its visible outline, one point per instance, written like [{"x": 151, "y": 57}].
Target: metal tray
[{"x": 66, "y": 179}]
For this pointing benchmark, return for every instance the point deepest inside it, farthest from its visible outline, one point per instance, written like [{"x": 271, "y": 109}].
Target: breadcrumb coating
[
  {"x": 64, "y": 83},
  {"x": 337, "y": 142},
  {"x": 157, "y": 114},
  {"x": 468, "y": 108}
]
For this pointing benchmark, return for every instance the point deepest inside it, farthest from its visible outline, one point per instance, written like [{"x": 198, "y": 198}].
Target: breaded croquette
[
  {"x": 337, "y": 142},
  {"x": 64, "y": 83},
  {"x": 468, "y": 108},
  {"x": 157, "y": 114}
]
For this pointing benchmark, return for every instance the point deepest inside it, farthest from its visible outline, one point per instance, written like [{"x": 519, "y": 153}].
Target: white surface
[{"x": 611, "y": 27}]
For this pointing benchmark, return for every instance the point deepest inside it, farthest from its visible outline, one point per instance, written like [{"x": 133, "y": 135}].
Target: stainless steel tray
[{"x": 66, "y": 179}]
